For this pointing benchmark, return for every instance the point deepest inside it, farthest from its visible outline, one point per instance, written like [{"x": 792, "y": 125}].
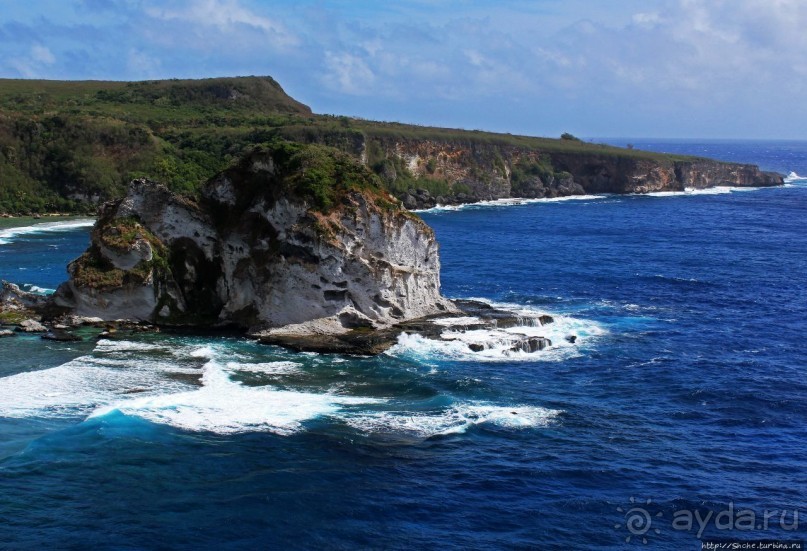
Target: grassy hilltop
[{"x": 66, "y": 145}]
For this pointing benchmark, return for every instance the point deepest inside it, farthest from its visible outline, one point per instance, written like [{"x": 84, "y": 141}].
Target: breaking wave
[
  {"x": 793, "y": 177},
  {"x": 79, "y": 386},
  {"x": 36, "y": 289},
  {"x": 717, "y": 190},
  {"x": 567, "y": 334},
  {"x": 9, "y": 234},
  {"x": 195, "y": 388},
  {"x": 456, "y": 419},
  {"x": 224, "y": 406},
  {"x": 509, "y": 202},
  {"x": 514, "y": 201}
]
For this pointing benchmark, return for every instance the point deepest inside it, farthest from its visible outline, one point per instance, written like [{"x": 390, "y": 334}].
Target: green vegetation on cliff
[
  {"x": 65, "y": 146},
  {"x": 320, "y": 175}
]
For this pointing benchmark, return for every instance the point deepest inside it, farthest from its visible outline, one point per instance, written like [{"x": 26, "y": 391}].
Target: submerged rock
[{"x": 60, "y": 335}]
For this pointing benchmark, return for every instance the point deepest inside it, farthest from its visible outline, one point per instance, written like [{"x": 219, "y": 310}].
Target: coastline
[
  {"x": 10, "y": 221},
  {"x": 520, "y": 201}
]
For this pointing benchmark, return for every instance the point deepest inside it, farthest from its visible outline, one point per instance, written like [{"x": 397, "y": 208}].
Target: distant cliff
[
  {"x": 68, "y": 146},
  {"x": 291, "y": 234},
  {"x": 426, "y": 172}
]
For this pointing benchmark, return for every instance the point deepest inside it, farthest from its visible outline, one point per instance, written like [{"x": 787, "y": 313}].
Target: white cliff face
[
  {"x": 135, "y": 303},
  {"x": 268, "y": 263},
  {"x": 365, "y": 266}
]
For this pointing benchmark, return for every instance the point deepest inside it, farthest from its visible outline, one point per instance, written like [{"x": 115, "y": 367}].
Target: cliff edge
[{"x": 449, "y": 170}]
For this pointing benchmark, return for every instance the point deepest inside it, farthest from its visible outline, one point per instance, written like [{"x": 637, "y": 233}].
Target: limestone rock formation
[{"x": 292, "y": 236}]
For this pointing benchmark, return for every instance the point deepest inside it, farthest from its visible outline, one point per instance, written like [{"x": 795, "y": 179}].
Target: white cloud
[
  {"x": 647, "y": 63},
  {"x": 42, "y": 54},
  {"x": 226, "y": 15},
  {"x": 647, "y": 20},
  {"x": 142, "y": 65},
  {"x": 349, "y": 74},
  {"x": 34, "y": 64}
]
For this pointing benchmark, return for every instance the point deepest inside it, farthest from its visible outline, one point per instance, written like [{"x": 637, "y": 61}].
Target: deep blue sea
[{"x": 683, "y": 398}]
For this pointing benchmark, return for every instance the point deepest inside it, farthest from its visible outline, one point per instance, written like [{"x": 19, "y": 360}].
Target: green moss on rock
[{"x": 92, "y": 270}]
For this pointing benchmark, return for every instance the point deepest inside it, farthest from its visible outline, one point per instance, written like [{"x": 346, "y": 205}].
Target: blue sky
[{"x": 638, "y": 68}]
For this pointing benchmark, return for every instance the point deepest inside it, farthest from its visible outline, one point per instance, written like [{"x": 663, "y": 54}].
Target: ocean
[{"x": 682, "y": 399}]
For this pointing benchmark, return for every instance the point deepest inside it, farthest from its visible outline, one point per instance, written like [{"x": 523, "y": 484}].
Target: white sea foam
[
  {"x": 7, "y": 235},
  {"x": 109, "y": 345},
  {"x": 497, "y": 343},
  {"x": 717, "y": 190},
  {"x": 270, "y": 368},
  {"x": 511, "y": 201},
  {"x": 78, "y": 386},
  {"x": 514, "y": 201},
  {"x": 36, "y": 289},
  {"x": 224, "y": 406},
  {"x": 203, "y": 352},
  {"x": 453, "y": 420},
  {"x": 793, "y": 177},
  {"x": 127, "y": 377}
]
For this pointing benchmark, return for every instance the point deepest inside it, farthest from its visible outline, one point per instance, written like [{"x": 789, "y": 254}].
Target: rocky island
[{"x": 296, "y": 245}]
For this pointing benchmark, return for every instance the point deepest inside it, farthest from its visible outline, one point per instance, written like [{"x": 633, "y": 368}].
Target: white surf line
[
  {"x": 513, "y": 201},
  {"x": 7, "y": 235},
  {"x": 455, "y": 419},
  {"x": 517, "y": 201}
]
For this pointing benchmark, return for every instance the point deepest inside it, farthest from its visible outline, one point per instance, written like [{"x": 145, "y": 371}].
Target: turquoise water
[{"x": 685, "y": 388}]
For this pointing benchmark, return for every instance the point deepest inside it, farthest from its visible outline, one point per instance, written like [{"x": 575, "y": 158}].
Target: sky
[{"x": 595, "y": 68}]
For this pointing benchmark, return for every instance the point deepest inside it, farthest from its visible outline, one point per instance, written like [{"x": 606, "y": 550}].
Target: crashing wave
[
  {"x": 463, "y": 340},
  {"x": 509, "y": 202},
  {"x": 456, "y": 419},
  {"x": 197, "y": 388},
  {"x": 7, "y": 235},
  {"x": 793, "y": 177}
]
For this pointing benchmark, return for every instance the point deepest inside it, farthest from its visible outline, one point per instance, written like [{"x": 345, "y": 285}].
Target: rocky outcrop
[
  {"x": 31, "y": 326},
  {"x": 469, "y": 317},
  {"x": 18, "y": 306},
  {"x": 297, "y": 246},
  {"x": 293, "y": 236},
  {"x": 606, "y": 173},
  {"x": 12, "y": 298}
]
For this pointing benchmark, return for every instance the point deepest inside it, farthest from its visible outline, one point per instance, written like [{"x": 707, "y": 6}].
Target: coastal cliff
[
  {"x": 291, "y": 236},
  {"x": 69, "y": 146},
  {"x": 424, "y": 173}
]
